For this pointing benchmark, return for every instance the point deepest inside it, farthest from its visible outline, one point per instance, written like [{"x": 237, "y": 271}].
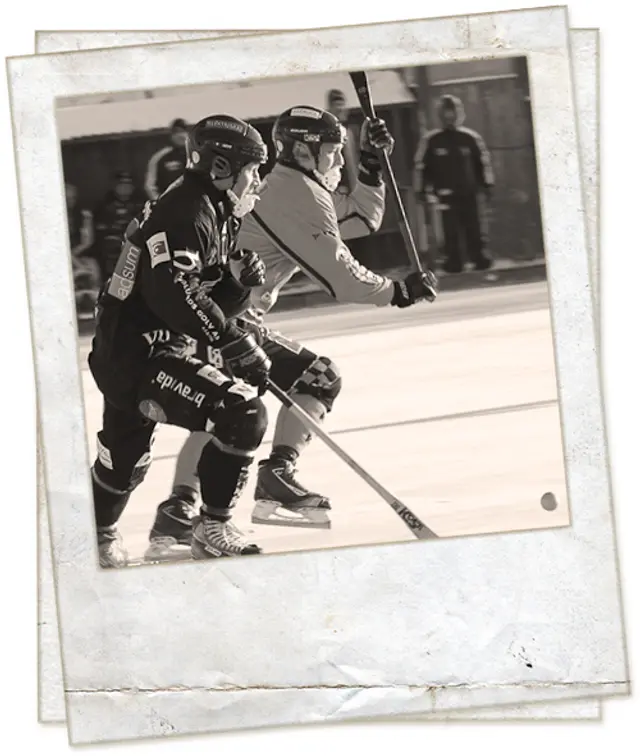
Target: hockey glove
[
  {"x": 247, "y": 361},
  {"x": 415, "y": 288},
  {"x": 248, "y": 269}
]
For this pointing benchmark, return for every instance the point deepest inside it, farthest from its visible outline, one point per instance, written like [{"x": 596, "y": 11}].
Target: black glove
[
  {"x": 247, "y": 361},
  {"x": 376, "y": 136},
  {"x": 248, "y": 269},
  {"x": 415, "y": 288}
]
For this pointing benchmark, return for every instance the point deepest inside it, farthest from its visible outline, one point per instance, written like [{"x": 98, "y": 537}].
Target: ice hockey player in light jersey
[{"x": 299, "y": 224}]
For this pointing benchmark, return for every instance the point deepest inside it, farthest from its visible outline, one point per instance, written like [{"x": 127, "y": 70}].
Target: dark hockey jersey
[
  {"x": 163, "y": 291},
  {"x": 453, "y": 161}
]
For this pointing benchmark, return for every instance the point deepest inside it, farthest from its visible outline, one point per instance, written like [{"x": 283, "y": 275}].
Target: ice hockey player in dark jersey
[
  {"x": 178, "y": 258},
  {"x": 299, "y": 224}
]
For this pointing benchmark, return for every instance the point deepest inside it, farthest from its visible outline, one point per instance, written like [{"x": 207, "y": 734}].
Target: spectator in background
[
  {"x": 337, "y": 105},
  {"x": 167, "y": 164},
  {"x": 86, "y": 272},
  {"x": 453, "y": 168},
  {"x": 111, "y": 219}
]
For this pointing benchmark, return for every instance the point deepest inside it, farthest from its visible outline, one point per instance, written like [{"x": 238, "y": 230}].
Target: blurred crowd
[
  {"x": 95, "y": 234},
  {"x": 453, "y": 180}
]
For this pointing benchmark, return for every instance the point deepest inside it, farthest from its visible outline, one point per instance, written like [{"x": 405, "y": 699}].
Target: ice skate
[
  {"x": 213, "y": 538},
  {"x": 281, "y": 500},
  {"x": 170, "y": 536},
  {"x": 111, "y": 552}
]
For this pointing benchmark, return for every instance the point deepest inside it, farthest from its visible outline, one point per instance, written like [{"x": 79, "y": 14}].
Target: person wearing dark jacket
[
  {"x": 112, "y": 217},
  {"x": 168, "y": 164},
  {"x": 453, "y": 168}
]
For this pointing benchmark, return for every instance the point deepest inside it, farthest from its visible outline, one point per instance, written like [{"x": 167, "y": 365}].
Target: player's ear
[{"x": 302, "y": 153}]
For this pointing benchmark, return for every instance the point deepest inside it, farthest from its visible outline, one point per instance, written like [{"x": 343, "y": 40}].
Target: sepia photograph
[
  {"x": 380, "y": 381},
  {"x": 313, "y": 311}
]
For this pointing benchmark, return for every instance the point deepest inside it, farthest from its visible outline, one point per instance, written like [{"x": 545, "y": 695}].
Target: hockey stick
[
  {"x": 361, "y": 84},
  {"x": 416, "y": 526}
]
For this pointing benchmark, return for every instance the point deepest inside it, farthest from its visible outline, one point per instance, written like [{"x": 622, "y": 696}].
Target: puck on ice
[{"x": 548, "y": 502}]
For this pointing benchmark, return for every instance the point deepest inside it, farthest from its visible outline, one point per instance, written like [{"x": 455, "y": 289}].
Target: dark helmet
[
  {"x": 304, "y": 123},
  {"x": 223, "y": 145}
]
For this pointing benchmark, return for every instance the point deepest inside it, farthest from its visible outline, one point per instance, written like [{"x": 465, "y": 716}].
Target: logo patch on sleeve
[
  {"x": 187, "y": 260},
  {"x": 158, "y": 247}
]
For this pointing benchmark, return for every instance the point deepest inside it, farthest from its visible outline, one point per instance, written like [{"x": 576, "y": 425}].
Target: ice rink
[{"x": 452, "y": 406}]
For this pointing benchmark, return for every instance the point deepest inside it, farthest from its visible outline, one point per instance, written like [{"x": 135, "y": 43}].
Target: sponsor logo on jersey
[
  {"x": 170, "y": 383},
  {"x": 306, "y": 113},
  {"x": 159, "y": 336},
  {"x": 442, "y": 151},
  {"x": 187, "y": 260},
  {"x": 211, "y": 373},
  {"x": 158, "y": 246},
  {"x": 124, "y": 274},
  {"x": 358, "y": 271}
]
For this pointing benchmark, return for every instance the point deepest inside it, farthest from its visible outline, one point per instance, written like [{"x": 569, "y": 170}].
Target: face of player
[
  {"x": 449, "y": 118},
  {"x": 178, "y": 137},
  {"x": 124, "y": 190},
  {"x": 244, "y": 193},
  {"x": 330, "y": 164},
  {"x": 338, "y": 109}
]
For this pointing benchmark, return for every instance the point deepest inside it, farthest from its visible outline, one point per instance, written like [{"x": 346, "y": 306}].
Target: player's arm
[
  {"x": 151, "y": 177},
  {"x": 171, "y": 282},
  {"x": 422, "y": 164},
  {"x": 361, "y": 211},
  {"x": 311, "y": 240},
  {"x": 87, "y": 235},
  {"x": 482, "y": 159}
]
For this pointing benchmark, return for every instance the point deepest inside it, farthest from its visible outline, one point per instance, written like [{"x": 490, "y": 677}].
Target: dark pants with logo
[
  {"x": 463, "y": 229},
  {"x": 188, "y": 393}
]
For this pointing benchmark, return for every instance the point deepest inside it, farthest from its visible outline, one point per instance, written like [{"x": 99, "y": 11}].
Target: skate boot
[
  {"x": 111, "y": 552},
  {"x": 170, "y": 536},
  {"x": 214, "y": 538},
  {"x": 281, "y": 500}
]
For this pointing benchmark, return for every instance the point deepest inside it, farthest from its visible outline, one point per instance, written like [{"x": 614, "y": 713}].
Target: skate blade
[
  {"x": 166, "y": 552},
  {"x": 270, "y": 513}
]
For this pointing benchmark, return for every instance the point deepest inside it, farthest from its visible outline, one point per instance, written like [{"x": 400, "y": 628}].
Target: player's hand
[
  {"x": 247, "y": 361},
  {"x": 376, "y": 136},
  {"x": 248, "y": 269},
  {"x": 416, "y": 287}
]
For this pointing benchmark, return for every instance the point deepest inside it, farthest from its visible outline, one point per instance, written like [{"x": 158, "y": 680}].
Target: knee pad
[
  {"x": 240, "y": 428},
  {"x": 122, "y": 477},
  {"x": 321, "y": 380}
]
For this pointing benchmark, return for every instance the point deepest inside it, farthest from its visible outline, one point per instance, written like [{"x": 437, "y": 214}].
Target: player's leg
[
  {"x": 187, "y": 392},
  {"x": 124, "y": 456},
  {"x": 314, "y": 383},
  {"x": 172, "y": 527},
  {"x": 171, "y": 531},
  {"x": 451, "y": 232},
  {"x": 476, "y": 240}
]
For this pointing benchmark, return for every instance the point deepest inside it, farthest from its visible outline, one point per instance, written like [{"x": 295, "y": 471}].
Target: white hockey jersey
[{"x": 299, "y": 225}]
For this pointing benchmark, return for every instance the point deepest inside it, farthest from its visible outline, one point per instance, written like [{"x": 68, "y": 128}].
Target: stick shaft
[
  {"x": 415, "y": 525},
  {"x": 361, "y": 84}
]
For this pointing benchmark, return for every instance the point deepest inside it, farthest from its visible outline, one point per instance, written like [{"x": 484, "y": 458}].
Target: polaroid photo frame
[
  {"x": 584, "y": 53},
  {"x": 90, "y": 691}
]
